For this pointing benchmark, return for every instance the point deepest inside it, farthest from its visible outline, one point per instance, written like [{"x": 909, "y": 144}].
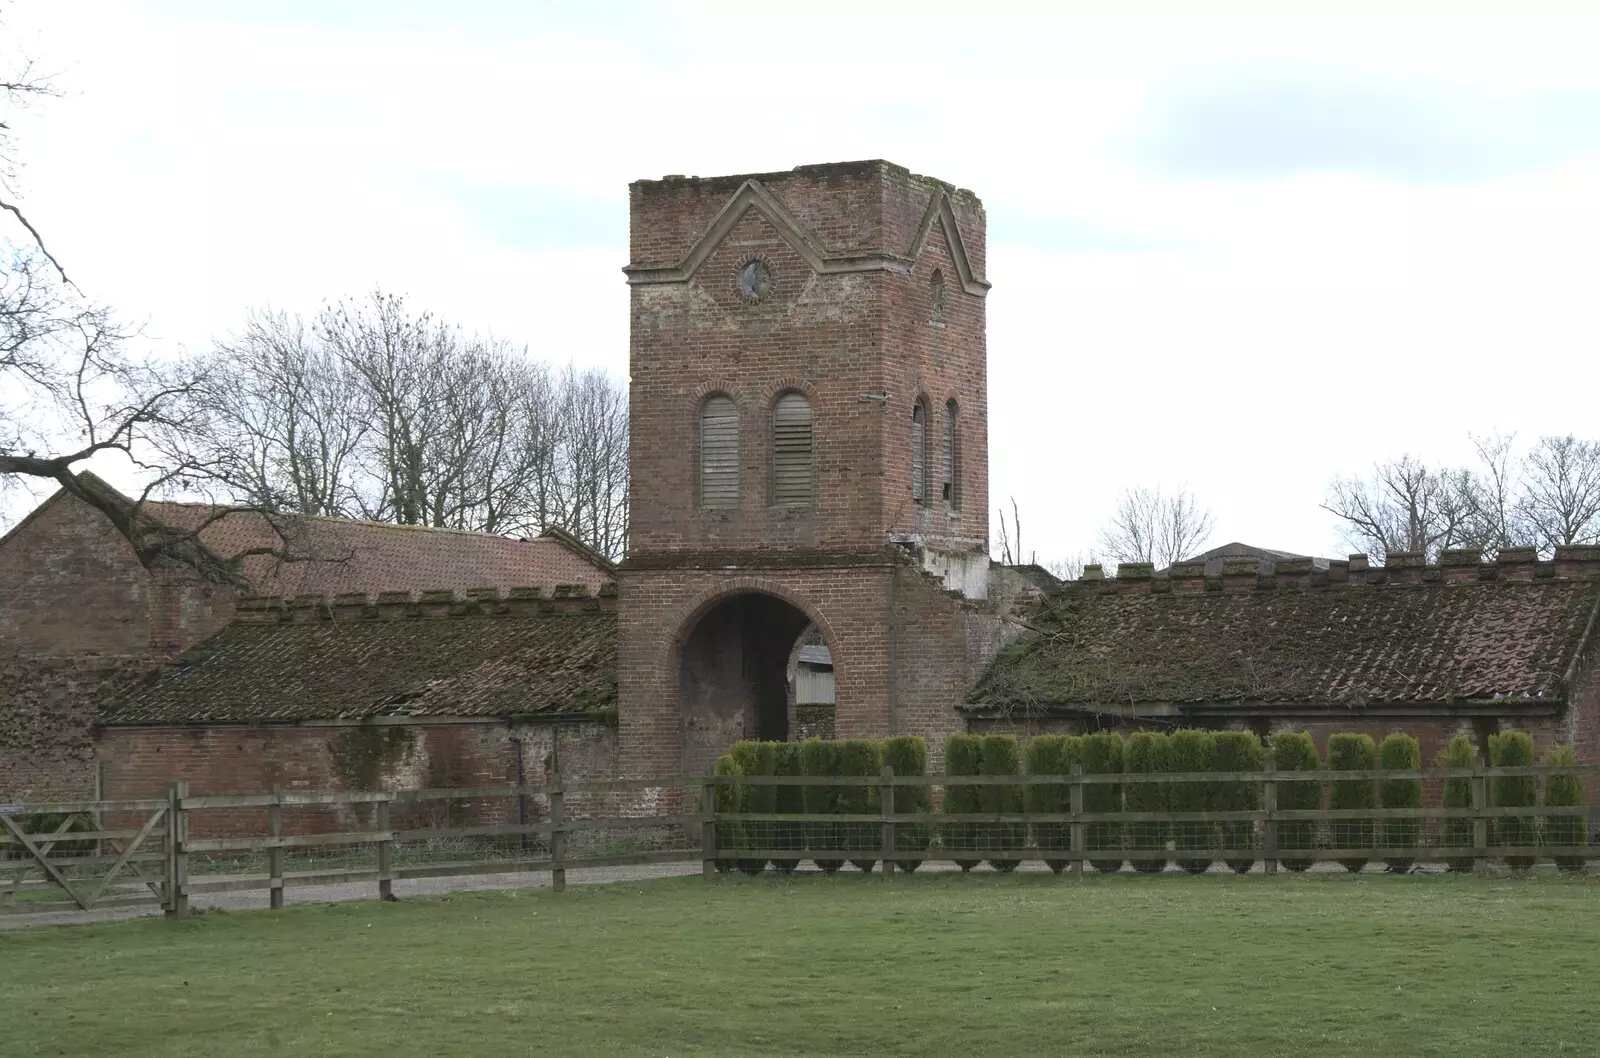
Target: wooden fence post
[
  {"x": 1269, "y": 826},
  {"x": 558, "y": 833},
  {"x": 274, "y": 853},
  {"x": 177, "y": 851},
  {"x": 1075, "y": 802},
  {"x": 708, "y": 833},
  {"x": 1480, "y": 822},
  {"x": 385, "y": 851},
  {"x": 886, "y": 803}
]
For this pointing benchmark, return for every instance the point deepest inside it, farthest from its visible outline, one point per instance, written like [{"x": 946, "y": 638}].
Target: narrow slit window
[
  {"x": 919, "y": 453},
  {"x": 792, "y": 478},
  {"x": 948, "y": 468},
  {"x": 719, "y": 453}
]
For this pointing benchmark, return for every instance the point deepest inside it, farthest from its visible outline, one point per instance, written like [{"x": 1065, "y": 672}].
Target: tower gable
[{"x": 815, "y": 283}]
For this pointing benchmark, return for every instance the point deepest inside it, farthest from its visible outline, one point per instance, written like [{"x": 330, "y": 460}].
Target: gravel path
[{"x": 328, "y": 894}]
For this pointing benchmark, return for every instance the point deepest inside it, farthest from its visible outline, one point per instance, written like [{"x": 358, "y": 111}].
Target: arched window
[
  {"x": 948, "y": 463},
  {"x": 791, "y": 452},
  {"x": 719, "y": 453},
  {"x": 919, "y": 452},
  {"x": 936, "y": 290}
]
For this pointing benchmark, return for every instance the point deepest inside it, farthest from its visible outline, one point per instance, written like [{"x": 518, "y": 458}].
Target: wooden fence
[{"x": 154, "y": 860}]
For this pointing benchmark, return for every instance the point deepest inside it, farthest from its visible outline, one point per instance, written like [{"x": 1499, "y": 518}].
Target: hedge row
[
  {"x": 1147, "y": 844},
  {"x": 907, "y": 755}
]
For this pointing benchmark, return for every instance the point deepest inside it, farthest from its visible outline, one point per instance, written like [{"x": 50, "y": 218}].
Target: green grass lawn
[{"x": 935, "y": 964}]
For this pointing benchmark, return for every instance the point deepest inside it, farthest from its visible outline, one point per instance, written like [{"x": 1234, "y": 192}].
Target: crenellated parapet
[
  {"x": 1240, "y": 575},
  {"x": 404, "y": 605}
]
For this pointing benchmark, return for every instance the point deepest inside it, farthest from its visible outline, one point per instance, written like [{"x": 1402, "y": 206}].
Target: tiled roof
[
  {"x": 1337, "y": 644},
  {"x": 1216, "y": 558},
  {"x": 359, "y": 659},
  {"x": 347, "y": 555}
]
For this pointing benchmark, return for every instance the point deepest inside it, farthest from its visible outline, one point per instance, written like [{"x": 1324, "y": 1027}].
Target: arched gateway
[
  {"x": 782, "y": 327},
  {"x": 734, "y": 674}
]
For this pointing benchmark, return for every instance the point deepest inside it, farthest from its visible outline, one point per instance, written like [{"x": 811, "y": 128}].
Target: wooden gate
[{"x": 83, "y": 855}]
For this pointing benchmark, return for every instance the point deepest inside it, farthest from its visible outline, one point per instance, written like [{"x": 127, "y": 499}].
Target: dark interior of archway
[{"x": 733, "y": 678}]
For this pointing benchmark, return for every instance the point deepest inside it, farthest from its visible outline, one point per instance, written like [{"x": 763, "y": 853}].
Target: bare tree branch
[
  {"x": 1546, "y": 499},
  {"x": 1150, "y": 525}
]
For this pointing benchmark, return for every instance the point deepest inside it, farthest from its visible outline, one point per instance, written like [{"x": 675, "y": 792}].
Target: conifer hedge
[
  {"x": 1237, "y": 751},
  {"x": 1147, "y": 753},
  {"x": 1513, "y": 749},
  {"x": 1352, "y": 752},
  {"x": 963, "y": 755},
  {"x": 1456, "y": 832},
  {"x": 908, "y": 755},
  {"x": 1191, "y": 751},
  {"x": 1103, "y": 755},
  {"x": 1052, "y": 755},
  {"x": 755, "y": 758},
  {"x": 790, "y": 800},
  {"x": 863, "y": 757},
  {"x": 730, "y": 832},
  {"x": 1295, "y": 751},
  {"x": 1562, "y": 791},
  {"x": 998, "y": 756},
  {"x": 821, "y": 757},
  {"x": 1399, "y": 752}
]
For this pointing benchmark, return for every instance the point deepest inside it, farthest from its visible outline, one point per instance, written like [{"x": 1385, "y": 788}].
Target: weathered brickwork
[
  {"x": 837, "y": 338},
  {"x": 71, "y": 586},
  {"x": 138, "y": 762},
  {"x": 47, "y": 708},
  {"x": 853, "y": 319},
  {"x": 81, "y": 620}
]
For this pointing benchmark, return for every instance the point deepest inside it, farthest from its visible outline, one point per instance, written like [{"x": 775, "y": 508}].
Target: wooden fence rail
[{"x": 155, "y": 834}]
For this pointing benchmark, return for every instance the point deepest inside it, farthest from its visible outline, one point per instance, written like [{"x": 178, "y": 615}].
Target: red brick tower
[{"x": 809, "y": 446}]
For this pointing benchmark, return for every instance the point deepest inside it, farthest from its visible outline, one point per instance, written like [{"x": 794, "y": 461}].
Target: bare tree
[
  {"x": 1547, "y": 498},
  {"x": 279, "y": 419},
  {"x": 21, "y": 86},
  {"x": 1403, "y": 506},
  {"x": 1150, "y": 525},
  {"x": 377, "y": 410},
  {"x": 1011, "y": 536},
  {"x": 1561, "y": 492},
  {"x": 1490, "y": 496},
  {"x": 1072, "y": 566},
  {"x": 592, "y": 484}
]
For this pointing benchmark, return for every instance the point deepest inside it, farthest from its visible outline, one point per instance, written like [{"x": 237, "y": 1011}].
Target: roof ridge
[
  {"x": 443, "y": 602},
  {"x": 1243, "y": 573},
  {"x": 340, "y": 519}
]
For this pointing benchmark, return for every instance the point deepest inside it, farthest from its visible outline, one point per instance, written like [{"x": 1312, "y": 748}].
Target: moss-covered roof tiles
[
  {"x": 1356, "y": 645},
  {"x": 481, "y": 664}
]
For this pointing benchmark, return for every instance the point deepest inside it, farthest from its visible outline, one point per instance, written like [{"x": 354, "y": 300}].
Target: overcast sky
[{"x": 1241, "y": 253}]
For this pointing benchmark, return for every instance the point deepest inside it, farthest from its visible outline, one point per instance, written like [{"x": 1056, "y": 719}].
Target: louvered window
[
  {"x": 948, "y": 463},
  {"x": 719, "y": 453},
  {"x": 791, "y": 452},
  {"x": 919, "y": 453}
]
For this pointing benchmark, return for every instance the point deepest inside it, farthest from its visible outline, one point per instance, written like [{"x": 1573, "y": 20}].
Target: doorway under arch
[{"x": 733, "y": 675}]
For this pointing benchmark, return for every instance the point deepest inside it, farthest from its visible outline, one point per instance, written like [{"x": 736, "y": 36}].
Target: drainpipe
[{"x": 522, "y": 797}]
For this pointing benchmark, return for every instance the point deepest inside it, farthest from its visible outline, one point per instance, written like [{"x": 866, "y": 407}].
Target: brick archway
[
  {"x": 690, "y": 613},
  {"x": 728, "y": 662}
]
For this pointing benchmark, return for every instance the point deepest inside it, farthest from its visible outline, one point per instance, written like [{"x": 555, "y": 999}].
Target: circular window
[{"x": 755, "y": 279}]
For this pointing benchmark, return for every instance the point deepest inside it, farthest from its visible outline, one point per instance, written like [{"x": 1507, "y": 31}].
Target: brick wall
[
  {"x": 838, "y": 336},
  {"x": 46, "y": 715},
  {"x": 832, "y": 337},
  {"x": 138, "y": 762},
  {"x": 935, "y": 662},
  {"x": 658, "y": 610},
  {"x": 70, "y": 585}
]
